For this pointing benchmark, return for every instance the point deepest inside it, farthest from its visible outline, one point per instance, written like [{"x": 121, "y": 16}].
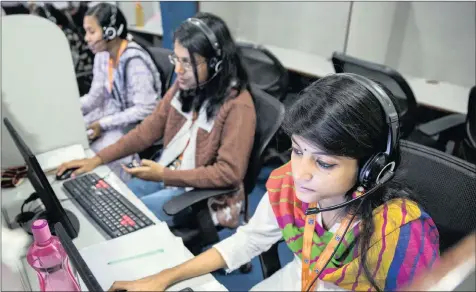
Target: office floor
[{"x": 237, "y": 281}]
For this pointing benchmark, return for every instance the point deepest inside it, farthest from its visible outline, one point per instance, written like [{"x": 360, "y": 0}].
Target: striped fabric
[{"x": 405, "y": 241}]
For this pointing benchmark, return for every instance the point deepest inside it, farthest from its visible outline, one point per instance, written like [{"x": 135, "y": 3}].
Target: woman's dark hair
[
  {"x": 103, "y": 13},
  {"x": 342, "y": 117},
  {"x": 232, "y": 74}
]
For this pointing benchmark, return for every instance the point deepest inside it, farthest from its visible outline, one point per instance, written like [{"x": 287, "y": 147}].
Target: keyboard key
[{"x": 116, "y": 233}]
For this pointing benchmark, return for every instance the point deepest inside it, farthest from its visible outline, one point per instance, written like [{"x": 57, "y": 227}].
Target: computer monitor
[
  {"x": 80, "y": 265},
  {"x": 54, "y": 212},
  {"x": 75, "y": 258}
]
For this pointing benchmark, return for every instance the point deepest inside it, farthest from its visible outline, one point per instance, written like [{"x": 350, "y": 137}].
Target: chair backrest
[
  {"x": 166, "y": 69},
  {"x": 264, "y": 69},
  {"x": 467, "y": 147},
  {"x": 387, "y": 76},
  {"x": 445, "y": 186},
  {"x": 471, "y": 118},
  {"x": 269, "y": 116}
]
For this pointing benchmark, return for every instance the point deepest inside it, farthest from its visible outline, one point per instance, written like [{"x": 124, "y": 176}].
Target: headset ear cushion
[
  {"x": 370, "y": 171},
  {"x": 218, "y": 66},
  {"x": 215, "y": 64},
  {"x": 212, "y": 63},
  {"x": 109, "y": 33}
]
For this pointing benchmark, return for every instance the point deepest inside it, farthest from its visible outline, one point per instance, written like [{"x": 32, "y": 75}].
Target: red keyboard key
[
  {"x": 102, "y": 184},
  {"x": 124, "y": 222},
  {"x": 127, "y": 221}
]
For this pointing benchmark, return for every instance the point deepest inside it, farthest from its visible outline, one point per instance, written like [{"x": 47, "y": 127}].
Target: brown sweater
[{"x": 222, "y": 155}]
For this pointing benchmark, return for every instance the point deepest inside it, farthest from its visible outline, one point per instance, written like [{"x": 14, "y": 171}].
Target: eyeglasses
[{"x": 187, "y": 65}]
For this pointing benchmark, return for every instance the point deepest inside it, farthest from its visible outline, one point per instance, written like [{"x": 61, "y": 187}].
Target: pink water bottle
[{"x": 47, "y": 256}]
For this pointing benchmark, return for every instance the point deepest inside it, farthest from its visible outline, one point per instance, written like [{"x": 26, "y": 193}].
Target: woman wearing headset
[
  {"x": 126, "y": 82},
  {"x": 381, "y": 238},
  {"x": 207, "y": 121}
]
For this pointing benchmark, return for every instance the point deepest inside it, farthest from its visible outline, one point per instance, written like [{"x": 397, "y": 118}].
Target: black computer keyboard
[{"x": 114, "y": 213}]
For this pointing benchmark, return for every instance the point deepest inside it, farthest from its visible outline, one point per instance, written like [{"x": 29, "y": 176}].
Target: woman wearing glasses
[{"x": 207, "y": 122}]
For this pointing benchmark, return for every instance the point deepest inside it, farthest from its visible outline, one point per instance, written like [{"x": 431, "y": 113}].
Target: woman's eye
[
  {"x": 325, "y": 165},
  {"x": 297, "y": 151}
]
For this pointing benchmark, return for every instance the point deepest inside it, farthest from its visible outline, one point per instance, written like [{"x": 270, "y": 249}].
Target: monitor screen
[{"x": 54, "y": 211}]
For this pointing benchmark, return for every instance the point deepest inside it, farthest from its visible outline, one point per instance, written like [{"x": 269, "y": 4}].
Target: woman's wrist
[
  {"x": 168, "y": 276},
  {"x": 97, "y": 160}
]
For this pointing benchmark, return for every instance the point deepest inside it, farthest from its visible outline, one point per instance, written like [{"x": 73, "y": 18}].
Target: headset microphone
[
  {"x": 93, "y": 46},
  {"x": 387, "y": 177},
  {"x": 204, "y": 83}
]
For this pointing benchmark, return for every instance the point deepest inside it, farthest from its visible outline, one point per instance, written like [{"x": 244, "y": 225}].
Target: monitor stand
[
  {"x": 72, "y": 218},
  {"x": 42, "y": 215}
]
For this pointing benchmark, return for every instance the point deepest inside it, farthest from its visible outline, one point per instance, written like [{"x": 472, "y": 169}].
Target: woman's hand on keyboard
[{"x": 82, "y": 165}]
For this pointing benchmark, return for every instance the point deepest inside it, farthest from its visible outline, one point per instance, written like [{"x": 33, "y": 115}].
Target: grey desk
[{"x": 90, "y": 233}]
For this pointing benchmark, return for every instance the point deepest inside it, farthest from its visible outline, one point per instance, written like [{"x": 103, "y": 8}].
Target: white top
[
  {"x": 252, "y": 239},
  {"x": 186, "y": 134}
]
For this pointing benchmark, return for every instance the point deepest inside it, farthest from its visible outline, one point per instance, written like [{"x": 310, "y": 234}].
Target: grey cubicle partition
[{"x": 39, "y": 90}]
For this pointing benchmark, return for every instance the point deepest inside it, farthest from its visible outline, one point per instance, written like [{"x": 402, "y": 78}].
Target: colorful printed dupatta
[{"x": 405, "y": 241}]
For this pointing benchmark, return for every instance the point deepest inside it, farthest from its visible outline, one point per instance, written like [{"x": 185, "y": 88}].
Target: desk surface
[
  {"x": 445, "y": 96},
  {"x": 90, "y": 233}
]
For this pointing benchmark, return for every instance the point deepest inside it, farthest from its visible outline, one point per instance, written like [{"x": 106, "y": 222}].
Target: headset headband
[
  {"x": 112, "y": 18},
  {"x": 388, "y": 107},
  {"x": 208, "y": 33}
]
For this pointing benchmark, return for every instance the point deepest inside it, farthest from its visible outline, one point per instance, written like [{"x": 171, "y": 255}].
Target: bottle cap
[{"x": 41, "y": 230}]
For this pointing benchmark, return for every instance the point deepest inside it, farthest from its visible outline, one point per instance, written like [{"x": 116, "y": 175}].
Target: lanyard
[
  {"x": 111, "y": 63},
  {"x": 308, "y": 275}
]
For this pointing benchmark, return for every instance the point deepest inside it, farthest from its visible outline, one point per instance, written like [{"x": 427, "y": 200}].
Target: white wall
[
  {"x": 431, "y": 40},
  {"x": 303, "y": 25}
]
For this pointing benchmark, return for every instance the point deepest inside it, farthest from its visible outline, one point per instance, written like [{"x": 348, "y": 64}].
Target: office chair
[
  {"x": 12, "y": 8},
  {"x": 166, "y": 70},
  {"x": 444, "y": 185},
  {"x": 267, "y": 73},
  {"x": 264, "y": 70},
  {"x": 389, "y": 77},
  {"x": 459, "y": 129},
  {"x": 269, "y": 114}
]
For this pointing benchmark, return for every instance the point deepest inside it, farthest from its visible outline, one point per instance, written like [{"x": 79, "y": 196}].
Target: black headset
[
  {"x": 215, "y": 62},
  {"x": 380, "y": 167},
  {"x": 110, "y": 31}
]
